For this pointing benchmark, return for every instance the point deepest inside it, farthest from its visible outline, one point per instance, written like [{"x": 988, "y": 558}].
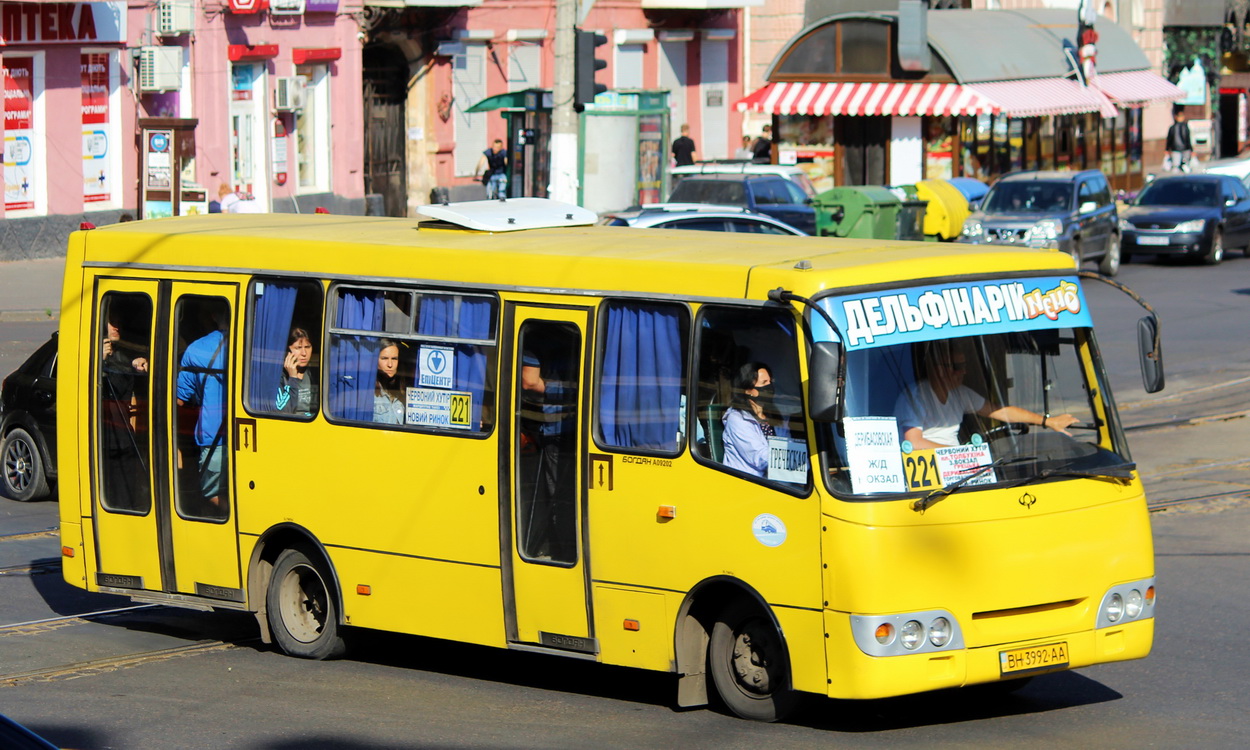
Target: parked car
[
  {"x": 794, "y": 174},
  {"x": 28, "y": 426},
  {"x": 702, "y": 216},
  {"x": 1238, "y": 167},
  {"x": 1197, "y": 215},
  {"x": 768, "y": 194},
  {"x": 1071, "y": 211}
]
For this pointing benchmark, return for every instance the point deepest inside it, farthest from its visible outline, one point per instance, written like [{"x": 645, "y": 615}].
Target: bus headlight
[
  {"x": 907, "y": 633},
  {"x": 1127, "y": 602},
  {"x": 1133, "y": 604},
  {"x": 911, "y": 635}
]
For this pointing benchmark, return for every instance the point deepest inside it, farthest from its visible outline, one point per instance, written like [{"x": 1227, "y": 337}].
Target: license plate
[
  {"x": 1149, "y": 240},
  {"x": 1033, "y": 658}
]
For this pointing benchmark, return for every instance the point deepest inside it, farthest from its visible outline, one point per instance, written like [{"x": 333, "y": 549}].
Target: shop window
[
  {"x": 285, "y": 352},
  {"x": 312, "y": 130},
  {"x": 744, "y": 425},
  {"x": 865, "y": 48},
  {"x": 642, "y": 392},
  {"x": 25, "y": 192},
  {"x": 818, "y": 51},
  {"x": 418, "y": 359}
]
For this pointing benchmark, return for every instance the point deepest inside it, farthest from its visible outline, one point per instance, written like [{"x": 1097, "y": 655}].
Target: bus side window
[
  {"x": 283, "y": 371},
  {"x": 202, "y": 385},
  {"x": 642, "y": 391},
  {"x": 125, "y": 352}
]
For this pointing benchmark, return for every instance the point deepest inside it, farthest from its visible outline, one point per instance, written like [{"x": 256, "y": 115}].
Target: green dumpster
[
  {"x": 865, "y": 211},
  {"x": 911, "y": 213}
]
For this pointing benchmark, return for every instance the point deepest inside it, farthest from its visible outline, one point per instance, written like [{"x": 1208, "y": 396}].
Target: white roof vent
[{"x": 510, "y": 215}]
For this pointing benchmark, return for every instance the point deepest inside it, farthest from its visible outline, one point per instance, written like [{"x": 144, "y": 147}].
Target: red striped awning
[
  {"x": 1040, "y": 97},
  {"x": 867, "y": 99},
  {"x": 1136, "y": 87}
]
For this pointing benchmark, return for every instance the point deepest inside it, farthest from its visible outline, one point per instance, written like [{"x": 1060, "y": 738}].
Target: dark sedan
[
  {"x": 1196, "y": 216},
  {"x": 28, "y": 426}
]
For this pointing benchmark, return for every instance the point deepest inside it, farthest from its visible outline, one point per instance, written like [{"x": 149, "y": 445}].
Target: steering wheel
[{"x": 1007, "y": 429}]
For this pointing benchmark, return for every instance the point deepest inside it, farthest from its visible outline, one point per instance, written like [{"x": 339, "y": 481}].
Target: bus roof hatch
[{"x": 510, "y": 215}]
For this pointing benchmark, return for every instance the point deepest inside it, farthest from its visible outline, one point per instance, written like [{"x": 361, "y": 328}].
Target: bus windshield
[{"x": 942, "y": 382}]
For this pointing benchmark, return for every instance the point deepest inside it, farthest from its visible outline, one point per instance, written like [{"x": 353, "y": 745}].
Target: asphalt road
[{"x": 200, "y": 680}]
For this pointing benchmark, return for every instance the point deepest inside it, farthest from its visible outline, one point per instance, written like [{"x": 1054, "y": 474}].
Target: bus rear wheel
[
  {"x": 748, "y": 664},
  {"x": 302, "y": 612}
]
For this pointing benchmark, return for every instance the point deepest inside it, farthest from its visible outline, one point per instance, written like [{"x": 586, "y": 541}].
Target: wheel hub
[{"x": 750, "y": 664}]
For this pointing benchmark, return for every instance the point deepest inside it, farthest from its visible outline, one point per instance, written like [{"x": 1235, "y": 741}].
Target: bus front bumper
[{"x": 856, "y": 675}]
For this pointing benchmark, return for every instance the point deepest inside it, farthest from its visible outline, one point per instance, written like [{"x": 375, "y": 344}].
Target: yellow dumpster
[{"x": 947, "y": 209}]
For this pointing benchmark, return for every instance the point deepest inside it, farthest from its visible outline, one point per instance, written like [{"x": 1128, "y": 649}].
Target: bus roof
[{"x": 580, "y": 258}]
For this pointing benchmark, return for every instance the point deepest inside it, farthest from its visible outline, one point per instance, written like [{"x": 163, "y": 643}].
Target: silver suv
[{"x": 1073, "y": 212}]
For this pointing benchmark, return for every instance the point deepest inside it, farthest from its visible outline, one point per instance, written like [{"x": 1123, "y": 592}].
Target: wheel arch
[
  {"x": 268, "y": 546},
  {"x": 24, "y": 420},
  {"x": 693, "y": 630}
]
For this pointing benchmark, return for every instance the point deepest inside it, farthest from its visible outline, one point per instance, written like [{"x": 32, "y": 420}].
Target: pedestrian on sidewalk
[
  {"x": 684, "y": 148},
  {"x": 492, "y": 170},
  {"x": 1180, "y": 148}
]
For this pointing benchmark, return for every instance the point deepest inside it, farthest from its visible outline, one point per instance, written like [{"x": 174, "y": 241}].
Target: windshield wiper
[
  {"x": 939, "y": 494},
  {"x": 1121, "y": 472}
]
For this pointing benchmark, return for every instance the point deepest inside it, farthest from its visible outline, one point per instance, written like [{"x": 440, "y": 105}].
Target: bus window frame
[
  {"x": 248, "y": 339},
  {"x": 799, "y": 339},
  {"x": 416, "y": 290},
  {"x": 688, "y": 363}
]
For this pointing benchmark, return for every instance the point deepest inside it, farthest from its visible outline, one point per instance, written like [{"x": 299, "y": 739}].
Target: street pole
[{"x": 564, "y": 120}]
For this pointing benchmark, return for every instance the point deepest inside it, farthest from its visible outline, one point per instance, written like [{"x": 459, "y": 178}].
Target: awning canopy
[
  {"x": 1136, "y": 87},
  {"x": 867, "y": 99},
  {"x": 1039, "y": 97},
  {"x": 1036, "y": 97}
]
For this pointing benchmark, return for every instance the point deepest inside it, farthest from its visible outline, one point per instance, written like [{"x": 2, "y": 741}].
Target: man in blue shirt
[{"x": 202, "y": 383}]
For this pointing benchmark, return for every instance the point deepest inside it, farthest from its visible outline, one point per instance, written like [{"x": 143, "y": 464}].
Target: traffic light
[{"x": 586, "y": 65}]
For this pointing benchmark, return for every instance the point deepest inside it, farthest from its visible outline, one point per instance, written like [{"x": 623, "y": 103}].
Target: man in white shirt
[{"x": 930, "y": 411}]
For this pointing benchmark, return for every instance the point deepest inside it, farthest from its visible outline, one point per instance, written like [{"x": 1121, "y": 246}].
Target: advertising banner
[
  {"x": 96, "y": 178},
  {"x": 19, "y": 134}
]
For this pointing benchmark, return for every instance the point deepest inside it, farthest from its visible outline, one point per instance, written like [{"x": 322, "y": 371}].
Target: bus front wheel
[
  {"x": 748, "y": 664},
  {"x": 302, "y": 612}
]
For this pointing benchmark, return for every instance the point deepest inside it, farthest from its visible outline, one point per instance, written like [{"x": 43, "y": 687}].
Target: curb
[{"x": 28, "y": 316}]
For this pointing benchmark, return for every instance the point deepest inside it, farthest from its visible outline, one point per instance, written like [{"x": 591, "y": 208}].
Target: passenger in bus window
[
  {"x": 929, "y": 413},
  {"x": 388, "y": 395},
  {"x": 297, "y": 393},
  {"x": 751, "y": 420},
  {"x": 202, "y": 383},
  {"x": 123, "y": 403}
]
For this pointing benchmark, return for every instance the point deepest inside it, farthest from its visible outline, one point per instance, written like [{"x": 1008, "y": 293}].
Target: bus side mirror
[
  {"x": 1151, "y": 354},
  {"x": 825, "y": 381}
]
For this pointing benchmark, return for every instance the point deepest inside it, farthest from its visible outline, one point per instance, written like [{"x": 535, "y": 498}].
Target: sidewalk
[{"x": 31, "y": 289}]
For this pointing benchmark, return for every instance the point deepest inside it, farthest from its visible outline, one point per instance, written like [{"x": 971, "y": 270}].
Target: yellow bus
[{"x": 707, "y": 454}]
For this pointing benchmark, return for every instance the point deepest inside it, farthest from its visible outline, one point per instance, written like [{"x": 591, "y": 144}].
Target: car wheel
[
  {"x": 1216, "y": 252},
  {"x": 1110, "y": 263},
  {"x": 24, "y": 477}
]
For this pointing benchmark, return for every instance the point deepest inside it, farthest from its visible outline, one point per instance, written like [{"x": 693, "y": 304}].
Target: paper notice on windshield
[
  {"x": 873, "y": 454},
  {"x": 959, "y": 461}
]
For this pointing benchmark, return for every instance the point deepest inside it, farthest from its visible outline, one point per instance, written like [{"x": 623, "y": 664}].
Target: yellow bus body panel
[{"x": 411, "y": 522}]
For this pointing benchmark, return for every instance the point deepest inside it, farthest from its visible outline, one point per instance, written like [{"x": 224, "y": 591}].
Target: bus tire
[
  {"x": 23, "y": 477},
  {"x": 303, "y": 614},
  {"x": 749, "y": 666}
]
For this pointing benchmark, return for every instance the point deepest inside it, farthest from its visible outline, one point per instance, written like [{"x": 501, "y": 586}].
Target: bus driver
[{"x": 929, "y": 412}]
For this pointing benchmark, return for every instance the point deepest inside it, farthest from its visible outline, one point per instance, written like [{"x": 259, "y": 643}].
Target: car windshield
[
  {"x": 1180, "y": 193},
  {"x": 709, "y": 191},
  {"x": 1028, "y": 197},
  {"x": 918, "y": 397}
]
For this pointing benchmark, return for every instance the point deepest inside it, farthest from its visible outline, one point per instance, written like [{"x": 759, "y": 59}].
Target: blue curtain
[
  {"x": 438, "y": 316},
  {"x": 275, "y": 305},
  {"x": 640, "y": 394},
  {"x": 354, "y": 359}
]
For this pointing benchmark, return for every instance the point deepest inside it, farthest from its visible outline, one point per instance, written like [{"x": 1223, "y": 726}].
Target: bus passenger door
[
  {"x": 199, "y": 539},
  {"x": 124, "y": 367},
  {"x": 545, "y": 569}
]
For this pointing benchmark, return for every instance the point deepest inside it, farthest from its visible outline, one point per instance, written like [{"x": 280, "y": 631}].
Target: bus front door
[
  {"x": 199, "y": 545},
  {"x": 545, "y": 572}
]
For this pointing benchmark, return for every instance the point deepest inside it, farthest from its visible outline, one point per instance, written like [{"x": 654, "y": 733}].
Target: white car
[
  {"x": 1239, "y": 168},
  {"x": 792, "y": 173},
  {"x": 701, "y": 216}
]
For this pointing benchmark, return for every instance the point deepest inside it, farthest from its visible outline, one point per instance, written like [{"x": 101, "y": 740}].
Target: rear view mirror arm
[{"x": 1155, "y": 338}]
